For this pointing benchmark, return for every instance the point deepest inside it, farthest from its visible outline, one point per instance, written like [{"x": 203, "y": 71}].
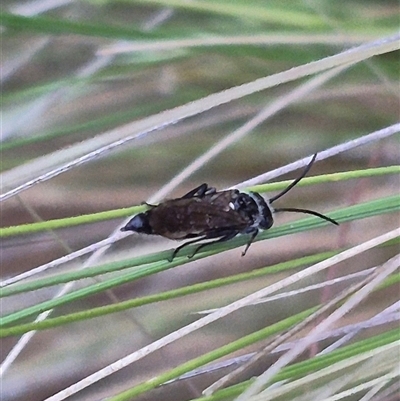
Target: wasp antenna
[
  {"x": 306, "y": 211},
  {"x": 290, "y": 186}
]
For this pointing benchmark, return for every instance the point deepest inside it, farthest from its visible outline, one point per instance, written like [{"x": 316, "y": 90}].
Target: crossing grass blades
[{"x": 205, "y": 213}]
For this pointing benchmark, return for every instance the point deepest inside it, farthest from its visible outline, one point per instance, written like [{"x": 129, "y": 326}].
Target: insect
[{"x": 205, "y": 213}]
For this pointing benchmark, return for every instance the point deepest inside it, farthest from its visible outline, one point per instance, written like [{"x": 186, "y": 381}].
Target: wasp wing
[{"x": 194, "y": 217}]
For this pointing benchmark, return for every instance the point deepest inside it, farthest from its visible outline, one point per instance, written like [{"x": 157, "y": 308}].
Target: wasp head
[
  {"x": 255, "y": 209},
  {"x": 263, "y": 219}
]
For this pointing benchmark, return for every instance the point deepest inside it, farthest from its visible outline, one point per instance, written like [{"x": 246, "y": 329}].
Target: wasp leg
[
  {"x": 200, "y": 192},
  {"x": 253, "y": 236},
  {"x": 226, "y": 237},
  {"x": 183, "y": 245}
]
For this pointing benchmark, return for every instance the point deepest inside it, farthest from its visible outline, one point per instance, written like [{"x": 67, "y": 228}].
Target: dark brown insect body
[{"x": 205, "y": 213}]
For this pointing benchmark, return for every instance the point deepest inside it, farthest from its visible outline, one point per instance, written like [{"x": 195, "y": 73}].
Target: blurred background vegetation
[{"x": 78, "y": 75}]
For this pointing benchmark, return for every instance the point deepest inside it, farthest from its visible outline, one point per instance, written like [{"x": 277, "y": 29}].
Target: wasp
[{"x": 205, "y": 213}]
